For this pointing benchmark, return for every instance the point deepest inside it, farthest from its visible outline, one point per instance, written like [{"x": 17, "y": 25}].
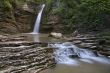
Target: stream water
[
  {"x": 70, "y": 58},
  {"x": 82, "y": 68},
  {"x": 82, "y": 60},
  {"x": 65, "y": 53}
]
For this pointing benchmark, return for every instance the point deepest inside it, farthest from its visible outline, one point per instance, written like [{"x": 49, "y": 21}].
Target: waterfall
[{"x": 37, "y": 23}]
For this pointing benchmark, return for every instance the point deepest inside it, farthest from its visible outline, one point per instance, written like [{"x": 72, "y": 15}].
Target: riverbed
[{"x": 30, "y": 53}]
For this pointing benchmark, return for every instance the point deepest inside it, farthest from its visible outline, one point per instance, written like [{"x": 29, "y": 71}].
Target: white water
[
  {"x": 65, "y": 50},
  {"x": 37, "y": 23}
]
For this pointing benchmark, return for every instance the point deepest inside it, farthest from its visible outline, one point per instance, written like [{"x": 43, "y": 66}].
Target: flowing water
[
  {"x": 70, "y": 58},
  {"x": 66, "y": 53},
  {"x": 37, "y": 23}
]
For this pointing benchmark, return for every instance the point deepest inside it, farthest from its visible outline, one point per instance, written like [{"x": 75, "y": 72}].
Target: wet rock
[
  {"x": 73, "y": 56},
  {"x": 56, "y": 35},
  {"x": 93, "y": 47},
  {"x": 86, "y": 45},
  {"x": 17, "y": 39},
  {"x": 18, "y": 56},
  {"x": 105, "y": 53},
  {"x": 70, "y": 39},
  {"x": 27, "y": 59},
  {"x": 75, "y": 33},
  {"x": 77, "y": 38},
  {"x": 77, "y": 42},
  {"x": 90, "y": 41}
]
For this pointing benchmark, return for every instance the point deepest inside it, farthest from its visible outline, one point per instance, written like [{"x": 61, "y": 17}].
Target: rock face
[
  {"x": 20, "y": 56},
  {"x": 51, "y": 23},
  {"x": 21, "y": 20},
  {"x": 25, "y": 21}
]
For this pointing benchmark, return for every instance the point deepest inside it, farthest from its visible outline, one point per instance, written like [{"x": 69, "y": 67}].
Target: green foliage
[
  {"x": 9, "y": 5},
  {"x": 84, "y": 14},
  {"x": 95, "y": 12},
  {"x": 6, "y": 4},
  {"x": 41, "y": 1},
  {"x": 75, "y": 14}
]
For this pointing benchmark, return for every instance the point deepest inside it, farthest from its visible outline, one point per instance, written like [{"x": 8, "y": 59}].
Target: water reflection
[
  {"x": 44, "y": 38},
  {"x": 36, "y": 38},
  {"x": 82, "y": 68}
]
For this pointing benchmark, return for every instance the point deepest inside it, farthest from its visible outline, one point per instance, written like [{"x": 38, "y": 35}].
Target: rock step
[
  {"x": 89, "y": 41},
  {"x": 20, "y": 55},
  {"x": 16, "y": 49},
  {"x": 7, "y": 39},
  {"x": 86, "y": 45},
  {"x": 107, "y": 53},
  {"x": 20, "y": 43},
  {"x": 40, "y": 64},
  {"x": 90, "y": 38},
  {"x": 24, "y": 57},
  {"x": 16, "y": 39},
  {"x": 15, "y": 43}
]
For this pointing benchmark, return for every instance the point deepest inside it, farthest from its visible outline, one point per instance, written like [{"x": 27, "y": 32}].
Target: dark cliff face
[
  {"x": 51, "y": 21},
  {"x": 21, "y": 21},
  {"x": 25, "y": 21}
]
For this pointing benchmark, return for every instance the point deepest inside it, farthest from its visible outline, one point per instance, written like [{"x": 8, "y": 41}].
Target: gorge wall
[
  {"x": 23, "y": 16},
  {"x": 21, "y": 21}
]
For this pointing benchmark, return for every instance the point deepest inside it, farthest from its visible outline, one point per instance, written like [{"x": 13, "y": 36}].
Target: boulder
[{"x": 56, "y": 35}]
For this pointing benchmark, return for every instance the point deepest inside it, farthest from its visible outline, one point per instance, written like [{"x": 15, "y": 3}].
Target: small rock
[
  {"x": 93, "y": 47},
  {"x": 73, "y": 56},
  {"x": 86, "y": 45},
  {"x": 89, "y": 41},
  {"x": 70, "y": 39},
  {"x": 77, "y": 42},
  {"x": 75, "y": 33}
]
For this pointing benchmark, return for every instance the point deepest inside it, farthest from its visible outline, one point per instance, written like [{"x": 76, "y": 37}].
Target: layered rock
[
  {"x": 20, "y": 19},
  {"x": 20, "y": 56},
  {"x": 91, "y": 42}
]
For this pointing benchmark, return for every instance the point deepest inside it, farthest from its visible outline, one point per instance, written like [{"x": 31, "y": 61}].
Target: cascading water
[
  {"x": 66, "y": 52},
  {"x": 37, "y": 23}
]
